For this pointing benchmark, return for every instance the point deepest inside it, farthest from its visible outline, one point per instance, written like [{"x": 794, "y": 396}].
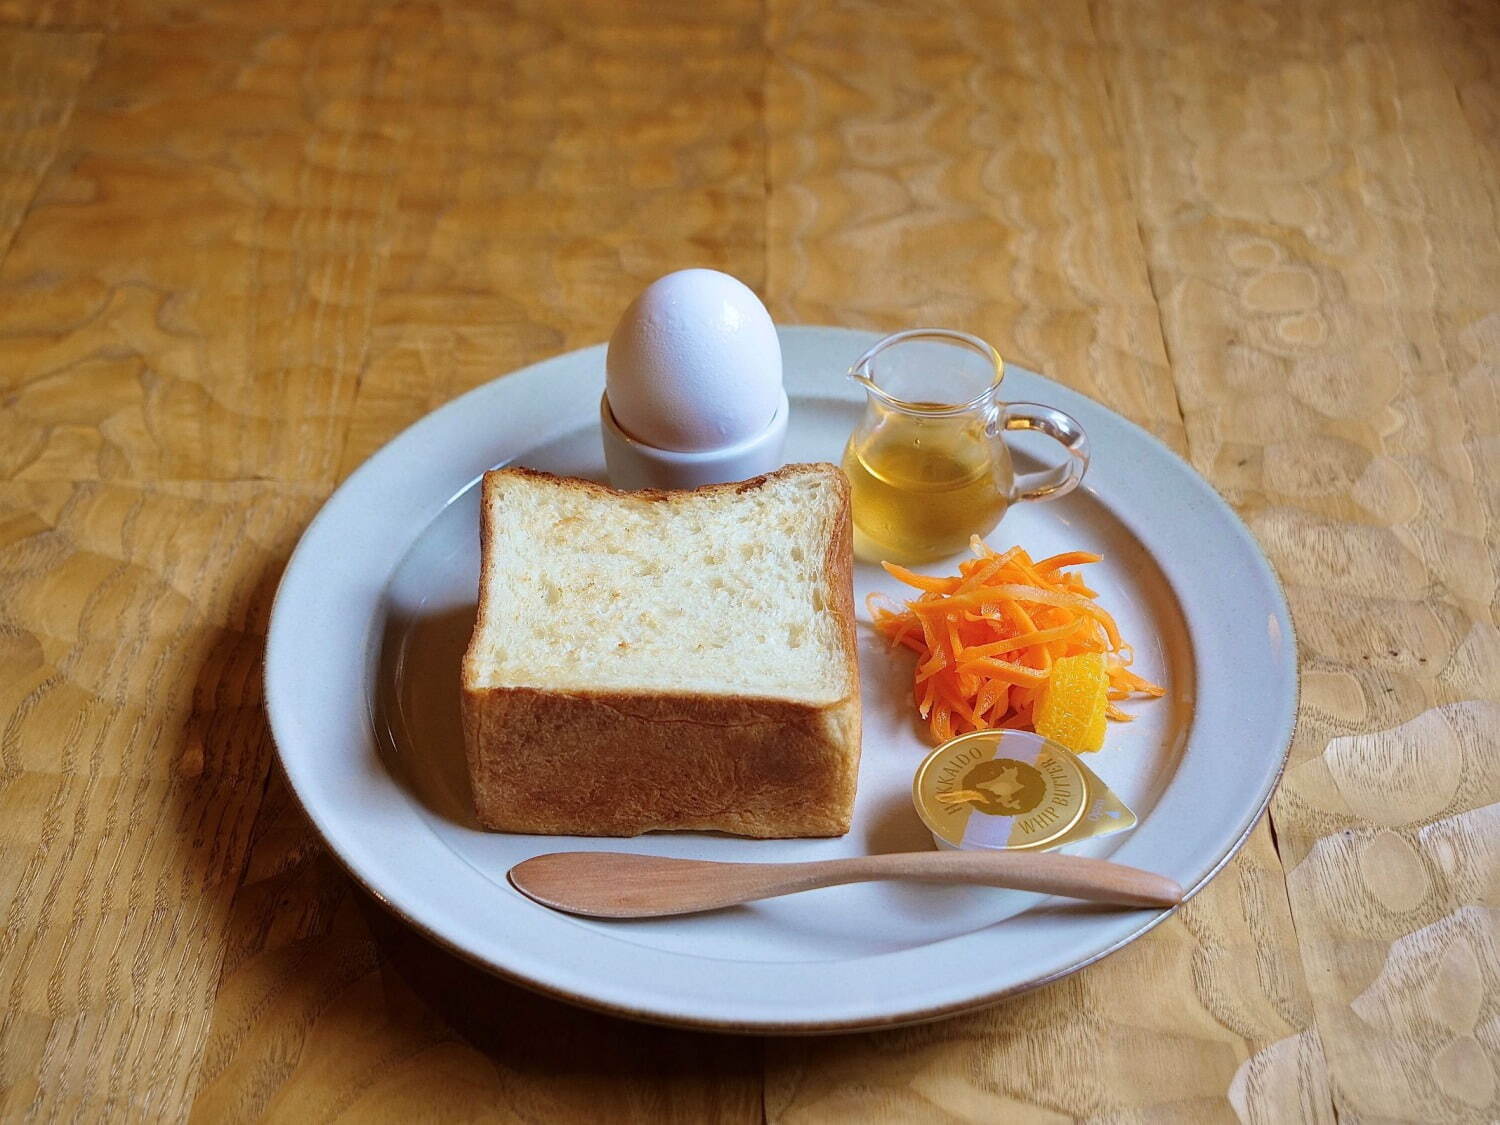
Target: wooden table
[{"x": 242, "y": 244}]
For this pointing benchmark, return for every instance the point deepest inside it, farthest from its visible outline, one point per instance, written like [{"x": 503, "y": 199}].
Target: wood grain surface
[{"x": 242, "y": 244}]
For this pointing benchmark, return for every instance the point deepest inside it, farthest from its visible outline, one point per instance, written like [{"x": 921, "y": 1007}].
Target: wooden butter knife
[{"x": 624, "y": 885}]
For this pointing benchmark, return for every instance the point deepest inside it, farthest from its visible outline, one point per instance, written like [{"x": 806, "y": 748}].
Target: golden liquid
[{"x": 920, "y": 491}]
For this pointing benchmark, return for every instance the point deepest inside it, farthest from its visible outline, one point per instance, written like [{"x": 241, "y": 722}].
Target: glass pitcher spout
[{"x": 930, "y": 371}]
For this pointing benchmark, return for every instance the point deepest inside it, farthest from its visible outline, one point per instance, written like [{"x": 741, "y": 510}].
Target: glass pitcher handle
[{"x": 1049, "y": 484}]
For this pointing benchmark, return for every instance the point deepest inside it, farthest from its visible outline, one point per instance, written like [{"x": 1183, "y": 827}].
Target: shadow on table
[{"x": 529, "y": 1031}]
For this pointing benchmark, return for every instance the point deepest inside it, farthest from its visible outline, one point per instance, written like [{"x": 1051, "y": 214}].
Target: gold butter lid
[{"x": 1013, "y": 790}]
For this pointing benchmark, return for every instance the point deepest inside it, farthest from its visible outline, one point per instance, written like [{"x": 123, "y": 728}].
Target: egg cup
[{"x": 635, "y": 465}]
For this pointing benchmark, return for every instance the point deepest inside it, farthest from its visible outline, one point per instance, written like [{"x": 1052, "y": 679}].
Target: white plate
[{"x": 361, "y": 686}]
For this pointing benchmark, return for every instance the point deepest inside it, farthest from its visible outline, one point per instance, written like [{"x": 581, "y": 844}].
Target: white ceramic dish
[{"x": 361, "y": 686}]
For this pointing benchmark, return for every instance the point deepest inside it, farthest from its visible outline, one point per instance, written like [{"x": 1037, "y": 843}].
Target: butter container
[{"x": 1013, "y": 790}]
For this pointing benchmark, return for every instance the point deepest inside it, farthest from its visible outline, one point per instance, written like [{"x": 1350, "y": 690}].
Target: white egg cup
[{"x": 635, "y": 465}]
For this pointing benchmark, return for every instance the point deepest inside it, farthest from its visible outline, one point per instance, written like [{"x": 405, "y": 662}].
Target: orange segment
[{"x": 1075, "y": 705}]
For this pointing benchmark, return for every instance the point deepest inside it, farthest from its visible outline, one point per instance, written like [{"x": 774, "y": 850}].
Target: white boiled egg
[{"x": 694, "y": 364}]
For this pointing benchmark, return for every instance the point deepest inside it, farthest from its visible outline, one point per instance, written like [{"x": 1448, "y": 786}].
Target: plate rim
[{"x": 1057, "y": 394}]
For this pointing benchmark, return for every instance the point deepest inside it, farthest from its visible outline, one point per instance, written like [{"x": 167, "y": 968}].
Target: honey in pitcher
[{"x": 921, "y": 489}]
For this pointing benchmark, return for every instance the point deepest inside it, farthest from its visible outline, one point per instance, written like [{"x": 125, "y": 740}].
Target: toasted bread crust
[
  {"x": 582, "y": 484},
  {"x": 612, "y": 763},
  {"x": 617, "y": 764}
]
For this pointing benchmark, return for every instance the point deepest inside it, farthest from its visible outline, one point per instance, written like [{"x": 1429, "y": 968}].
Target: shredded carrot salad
[{"x": 986, "y": 638}]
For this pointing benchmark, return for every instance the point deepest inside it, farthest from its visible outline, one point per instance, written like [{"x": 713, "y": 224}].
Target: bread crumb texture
[{"x": 725, "y": 590}]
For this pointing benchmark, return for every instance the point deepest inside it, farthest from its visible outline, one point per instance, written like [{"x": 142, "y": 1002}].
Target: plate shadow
[{"x": 416, "y": 707}]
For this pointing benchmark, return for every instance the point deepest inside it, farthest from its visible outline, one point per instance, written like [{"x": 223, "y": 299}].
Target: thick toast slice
[{"x": 664, "y": 660}]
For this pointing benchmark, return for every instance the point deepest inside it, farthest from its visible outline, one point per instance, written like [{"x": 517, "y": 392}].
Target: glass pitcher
[{"x": 928, "y": 463}]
